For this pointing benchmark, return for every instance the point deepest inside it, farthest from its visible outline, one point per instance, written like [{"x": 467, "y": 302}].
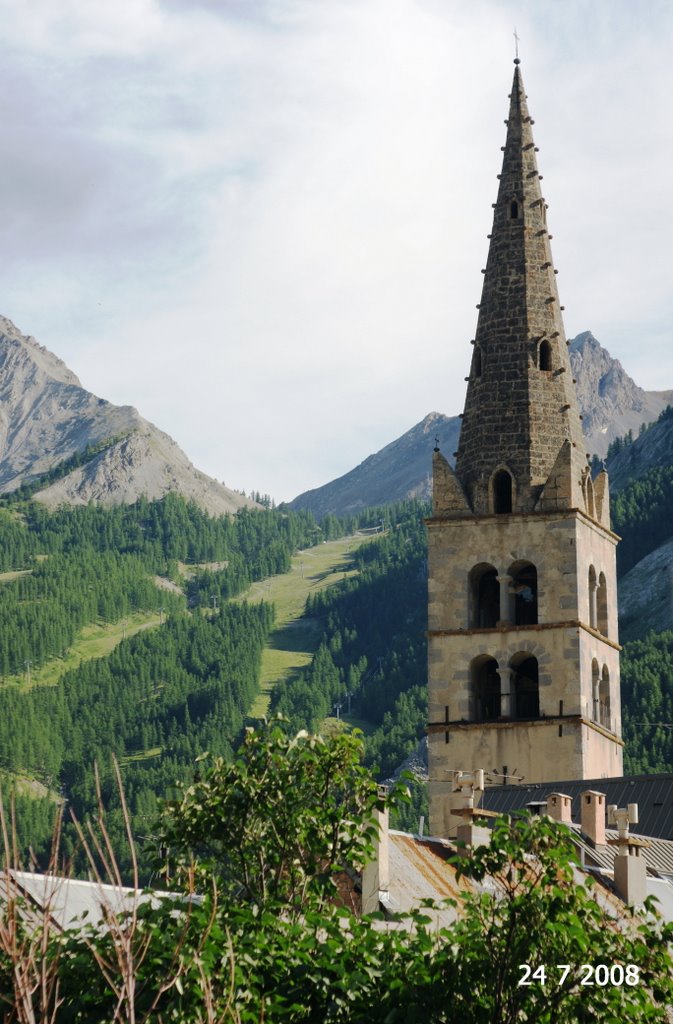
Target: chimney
[
  {"x": 630, "y": 865},
  {"x": 473, "y": 835},
  {"x": 470, "y": 785},
  {"x": 559, "y": 807},
  {"x": 376, "y": 873},
  {"x": 593, "y": 816}
]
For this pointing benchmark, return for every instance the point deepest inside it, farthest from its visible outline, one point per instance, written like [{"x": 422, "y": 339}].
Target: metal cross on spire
[{"x": 516, "y": 44}]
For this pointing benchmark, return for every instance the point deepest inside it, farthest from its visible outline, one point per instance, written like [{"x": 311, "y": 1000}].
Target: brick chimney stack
[
  {"x": 376, "y": 874},
  {"x": 630, "y": 865},
  {"x": 559, "y": 807},
  {"x": 593, "y": 816}
]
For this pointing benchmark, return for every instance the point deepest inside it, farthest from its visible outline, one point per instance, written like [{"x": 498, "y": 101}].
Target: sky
[{"x": 263, "y": 222}]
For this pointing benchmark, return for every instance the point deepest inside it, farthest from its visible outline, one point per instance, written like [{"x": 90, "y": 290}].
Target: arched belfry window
[
  {"x": 545, "y": 355},
  {"x": 502, "y": 492},
  {"x": 604, "y": 699},
  {"x": 524, "y": 589},
  {"x": 484, "y": 597},
  {"x": 593, "y": 589},
  {"x": 595, "y": 689},
  {"x": 486, "y": 688},
  {"x": 477, "y": 362},
  {"x": 514, "y": 210},
  {"x": 525, "y": 686},
  {"x": 602, "y": 605}
]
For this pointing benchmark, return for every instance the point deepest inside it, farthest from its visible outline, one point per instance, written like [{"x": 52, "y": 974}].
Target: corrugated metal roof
[
  {"x": 420, "y": 869},
  {"x": 652, "y": 793},
  {"x": 658, "y": 855},
  {"x": 72, "y": 901}
]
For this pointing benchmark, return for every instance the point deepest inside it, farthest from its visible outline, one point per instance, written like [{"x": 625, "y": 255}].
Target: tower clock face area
[{"x": 523, "y": 652}]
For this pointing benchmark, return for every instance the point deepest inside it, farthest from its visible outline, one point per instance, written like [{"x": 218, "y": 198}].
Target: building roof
[
  {"x": 658, "y": 853},
  {"x": 652, "y": 793},
  {"x": 421, "y": 869},
  {"x": 70, "y": 902}
]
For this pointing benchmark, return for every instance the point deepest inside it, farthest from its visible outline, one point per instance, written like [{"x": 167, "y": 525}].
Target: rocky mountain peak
[
  {"x": 611, "y": 402},
  {"x": 22, "y": 353},
  {"x": 46, "y": 416}
]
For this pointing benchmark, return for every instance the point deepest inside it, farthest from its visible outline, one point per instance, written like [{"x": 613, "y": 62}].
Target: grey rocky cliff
[
  {"x": 646, "y": 595},
  {"x": 611, "y": 403},
  {"x": 46, "y": 416}
]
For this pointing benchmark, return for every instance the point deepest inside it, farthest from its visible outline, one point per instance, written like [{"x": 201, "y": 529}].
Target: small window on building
[
  {"x": 476, "y": 362},
  {"x": 502, "y": 492},
  {"x": 514, "y": 210},
  {"x": 545, "y": 355}
]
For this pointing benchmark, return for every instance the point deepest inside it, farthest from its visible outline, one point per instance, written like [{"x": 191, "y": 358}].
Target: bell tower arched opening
[
  {"x": 486, "y": 688},
  {"x": 604, "y": 699},
  {"x": 602, "y": 605},
  {"x": 593, "y": 588},
  {"x": 484, "y": 597},
  {"x": 524, "y": 589},
  {"x": 595, "y": 690},
  {"x": 525, "y": 686}
]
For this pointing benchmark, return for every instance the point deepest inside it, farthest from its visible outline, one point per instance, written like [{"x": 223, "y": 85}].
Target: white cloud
[{"x": 263, "y": 224}]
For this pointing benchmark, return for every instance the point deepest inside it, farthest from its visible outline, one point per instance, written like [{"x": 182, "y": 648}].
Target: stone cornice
[{"x": 536, "y": 627}]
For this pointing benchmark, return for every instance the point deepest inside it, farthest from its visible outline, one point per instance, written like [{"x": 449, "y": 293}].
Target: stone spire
[{"x": 521, "y": 410}]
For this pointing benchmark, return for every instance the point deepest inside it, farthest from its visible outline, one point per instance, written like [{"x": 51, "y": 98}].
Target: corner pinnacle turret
[{"x": 521, "y": 408}]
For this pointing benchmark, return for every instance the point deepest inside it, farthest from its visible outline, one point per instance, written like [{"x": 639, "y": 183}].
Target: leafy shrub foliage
[{"x": 256, "y": 929}]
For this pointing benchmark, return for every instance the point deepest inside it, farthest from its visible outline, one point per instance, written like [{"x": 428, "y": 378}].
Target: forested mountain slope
[
  {"x": 641, "y": 480},
  {"x": 161, "y": 697}
]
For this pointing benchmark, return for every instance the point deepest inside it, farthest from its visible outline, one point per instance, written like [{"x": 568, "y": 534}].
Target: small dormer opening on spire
[
  {"x": 502, "y": 492},
  {"x": 477, "y": 362},
  {"x": 544, "y": 358},
  {"x": 514, "y": 210}
]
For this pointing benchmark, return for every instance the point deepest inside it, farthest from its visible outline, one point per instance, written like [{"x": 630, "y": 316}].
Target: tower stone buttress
[{"x": 523, "y": 655}]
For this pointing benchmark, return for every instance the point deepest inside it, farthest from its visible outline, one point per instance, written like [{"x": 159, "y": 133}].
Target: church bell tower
[{"x": 523, "y": 657}]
